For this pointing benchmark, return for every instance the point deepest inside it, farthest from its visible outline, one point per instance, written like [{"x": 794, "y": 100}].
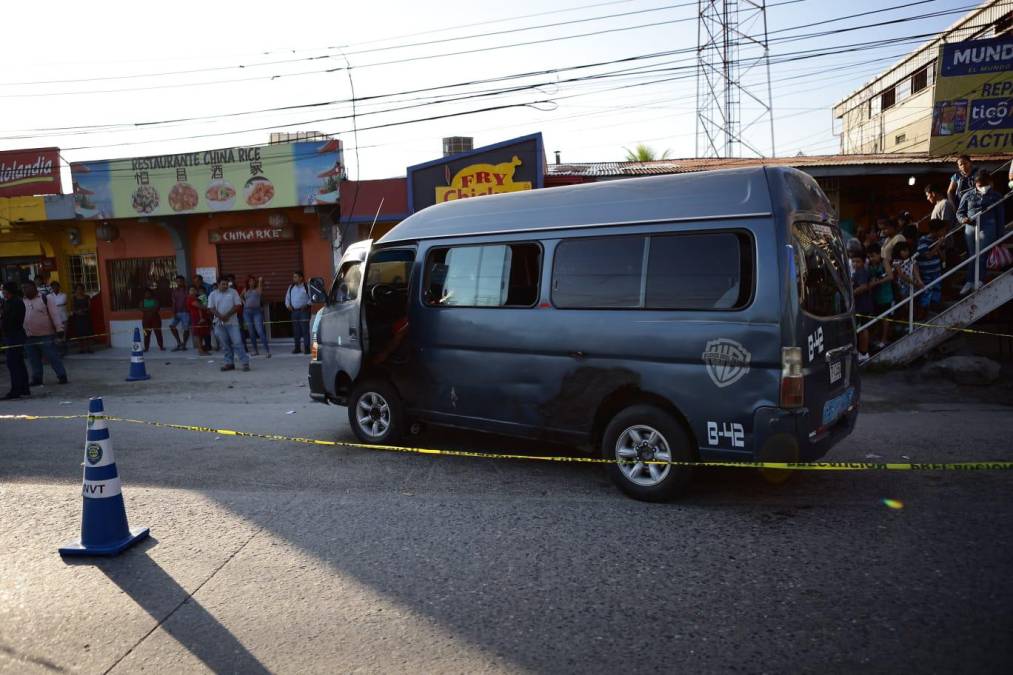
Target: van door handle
[{"x": 577, "y": 355}]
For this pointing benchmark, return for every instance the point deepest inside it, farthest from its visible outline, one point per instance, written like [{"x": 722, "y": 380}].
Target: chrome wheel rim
[
  {"x": 373, "y": 413},
  {"x": 638, "y": 450}
]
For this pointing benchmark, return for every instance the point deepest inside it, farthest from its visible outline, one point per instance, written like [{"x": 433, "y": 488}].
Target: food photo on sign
[{"x": 230, "y": 179}]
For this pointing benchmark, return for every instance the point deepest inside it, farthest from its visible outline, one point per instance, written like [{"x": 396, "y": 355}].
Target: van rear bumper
[
  {"x": 316, "y": 381},
  {"x": 783, "y": 435}
]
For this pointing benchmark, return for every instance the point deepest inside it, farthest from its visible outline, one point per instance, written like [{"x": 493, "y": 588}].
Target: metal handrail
[{"x": 909, "y": 301}]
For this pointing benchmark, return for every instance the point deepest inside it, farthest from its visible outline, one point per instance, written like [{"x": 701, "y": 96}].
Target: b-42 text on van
[{"x": 684, "y": 318}]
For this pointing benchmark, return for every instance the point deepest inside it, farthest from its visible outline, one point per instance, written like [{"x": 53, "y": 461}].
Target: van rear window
[
  {"x": 688, "y": 271},
  {"x": 821, "y": 272}
]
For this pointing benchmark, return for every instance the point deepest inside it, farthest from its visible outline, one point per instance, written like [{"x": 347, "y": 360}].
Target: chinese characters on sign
[{"x": 233, "y": 179}]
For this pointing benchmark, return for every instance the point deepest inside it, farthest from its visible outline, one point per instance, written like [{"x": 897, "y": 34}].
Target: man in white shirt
[
  {"x": 297, "y": 300},
  {"x": 59, "y": 298},
  {"x": 224, "y": 304},
  {"x": 942, "y": 207}
]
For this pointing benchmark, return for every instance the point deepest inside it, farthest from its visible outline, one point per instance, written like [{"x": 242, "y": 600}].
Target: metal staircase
[
  {"x": 936, "y": 330},
  {"x": 923, "y": 336}
]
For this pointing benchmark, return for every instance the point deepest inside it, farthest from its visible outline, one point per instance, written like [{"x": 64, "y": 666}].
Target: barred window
[
  {"x": 84, "y": 270},
  {"x": 129, "y": 277}
]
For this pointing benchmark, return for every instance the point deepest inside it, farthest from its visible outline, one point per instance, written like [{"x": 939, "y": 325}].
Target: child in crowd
[
  {"x": 863, "y": 300},
  {"x": 881, "y": 283},
  {"x": 930, "y": 267},
  {"x": 908, "y": 278}
]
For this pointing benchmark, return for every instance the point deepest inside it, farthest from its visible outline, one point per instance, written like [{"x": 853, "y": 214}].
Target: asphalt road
[{"x": 273, "y": 556}]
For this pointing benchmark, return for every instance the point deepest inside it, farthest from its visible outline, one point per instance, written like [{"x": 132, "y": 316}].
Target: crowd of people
[
  {"x": 35, "y": 315},
  {"x": 901, "y": 257}
]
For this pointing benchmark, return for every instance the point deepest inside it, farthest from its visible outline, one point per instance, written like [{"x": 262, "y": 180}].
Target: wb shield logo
[{"x": 727, "y": 361}]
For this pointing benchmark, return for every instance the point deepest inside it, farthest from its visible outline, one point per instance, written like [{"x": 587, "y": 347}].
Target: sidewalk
[{"x": 279, "y": 349}]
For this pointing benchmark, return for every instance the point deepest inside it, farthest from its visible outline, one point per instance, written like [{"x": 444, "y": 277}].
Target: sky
[{"x": 83, "y": 76}]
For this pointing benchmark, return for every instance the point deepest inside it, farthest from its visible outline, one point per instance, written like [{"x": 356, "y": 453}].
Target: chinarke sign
[
  {"x": 510, "y": 166},
  {"x": 973, "y": 103}
]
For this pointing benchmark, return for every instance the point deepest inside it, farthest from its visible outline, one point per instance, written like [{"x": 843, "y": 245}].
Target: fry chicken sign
[{"x": 478, "y": 180}]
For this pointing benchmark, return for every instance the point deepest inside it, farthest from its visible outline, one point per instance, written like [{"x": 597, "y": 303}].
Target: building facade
[{"x": 892, "y": 113}]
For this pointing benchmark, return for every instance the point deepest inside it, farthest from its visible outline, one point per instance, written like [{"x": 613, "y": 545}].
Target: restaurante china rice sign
[{"x": 226, "y": 179}]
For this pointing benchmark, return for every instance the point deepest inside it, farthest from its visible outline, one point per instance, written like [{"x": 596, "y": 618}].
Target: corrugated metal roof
[{"x": 667, "y": 166}]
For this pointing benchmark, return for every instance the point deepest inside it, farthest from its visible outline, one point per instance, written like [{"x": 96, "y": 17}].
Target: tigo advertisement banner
[
  {"x": 230, "y": 179},
  {"x": 973, "y": 111}
]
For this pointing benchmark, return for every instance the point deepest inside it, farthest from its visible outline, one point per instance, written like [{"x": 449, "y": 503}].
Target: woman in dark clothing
[
  {"x": 81, "y": 311},
  {"x": 12, "y": 320}
]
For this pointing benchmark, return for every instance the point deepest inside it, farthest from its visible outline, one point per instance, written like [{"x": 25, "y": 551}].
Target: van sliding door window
[
  {"x": 501, "y": 275},
  {"x": 598, "y": 273},
  {"x": 699, "y": 271},
  {"x": 824, "y": 284}
]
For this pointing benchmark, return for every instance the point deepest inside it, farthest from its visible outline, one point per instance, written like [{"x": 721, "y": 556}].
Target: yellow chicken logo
[{"x": 479, "y": 180}]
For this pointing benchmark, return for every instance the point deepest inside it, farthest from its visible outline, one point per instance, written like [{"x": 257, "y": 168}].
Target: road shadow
[{"x": 177, "y": 612}]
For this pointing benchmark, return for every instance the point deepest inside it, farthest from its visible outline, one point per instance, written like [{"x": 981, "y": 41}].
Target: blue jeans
[
  {"x": 254, "y": 319},
  {"x": 232, "y": 341},
  {"x": 987, "y": 233},
  {"x": 301, "y": 327},
  {"x": 36, "y": 346}
]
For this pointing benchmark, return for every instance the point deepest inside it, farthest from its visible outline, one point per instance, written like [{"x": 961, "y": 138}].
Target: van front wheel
[
  {"x": 644, "y": 441},
  {"x": 375, "y": 413}
]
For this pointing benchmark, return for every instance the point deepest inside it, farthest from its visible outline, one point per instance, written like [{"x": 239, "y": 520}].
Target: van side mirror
[{"x": 318, "y": 295}]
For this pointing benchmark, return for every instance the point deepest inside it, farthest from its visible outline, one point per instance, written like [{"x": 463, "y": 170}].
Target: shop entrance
[
  {"x": 19, "y": 270},
  {"x": 275, "y": 261}
]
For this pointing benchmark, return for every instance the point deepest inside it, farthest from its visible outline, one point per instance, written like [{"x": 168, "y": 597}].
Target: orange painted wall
[
  {"x": 148, "y": 239},
  {"x": 136, "y": 240}
]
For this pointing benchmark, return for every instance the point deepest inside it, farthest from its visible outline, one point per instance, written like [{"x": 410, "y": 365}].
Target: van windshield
[{"x": 824, "y": 286}]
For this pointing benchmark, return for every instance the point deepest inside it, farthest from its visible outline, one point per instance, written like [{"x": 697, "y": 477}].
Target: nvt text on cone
[{"x": 104, "y": 529}]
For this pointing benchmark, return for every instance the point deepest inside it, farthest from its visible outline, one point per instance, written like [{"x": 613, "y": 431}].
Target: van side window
[
  {"x": 603, "y": 273},
  {"x": 346, "y": 284},
  {"x": 501, "y": 275},
  {"x": 692, "y": 271},
  {"x": 824, "y": 284},
  {"x": 699, "y": 271}
]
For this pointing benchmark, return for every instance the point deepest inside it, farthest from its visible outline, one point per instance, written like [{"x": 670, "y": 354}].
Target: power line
[
  {"x": 489, "y": 80},
  {"x": 352, "y": 53}
]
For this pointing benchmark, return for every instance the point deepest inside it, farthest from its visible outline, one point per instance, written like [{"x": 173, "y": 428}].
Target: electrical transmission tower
[{"x": 733, "y": 66}]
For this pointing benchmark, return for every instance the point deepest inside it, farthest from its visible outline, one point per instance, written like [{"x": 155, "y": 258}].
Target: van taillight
[{"x": 792, "y": 379}]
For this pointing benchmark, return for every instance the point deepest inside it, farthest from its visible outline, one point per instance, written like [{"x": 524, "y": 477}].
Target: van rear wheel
[
  {"x": 375, "y": 413},
  {"x": 644, "y": 441}
]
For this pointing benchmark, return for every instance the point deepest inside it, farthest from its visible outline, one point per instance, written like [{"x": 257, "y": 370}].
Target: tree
[{"x": 643, "y": 153}]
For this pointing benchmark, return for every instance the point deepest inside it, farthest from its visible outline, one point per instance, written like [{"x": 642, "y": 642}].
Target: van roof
[{"x": 728, "y": 193}]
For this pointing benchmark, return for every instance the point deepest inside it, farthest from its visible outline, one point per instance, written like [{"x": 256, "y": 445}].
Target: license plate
[
  {"x": 837, "y": 406},
  {"x": 836, "y": 370}
]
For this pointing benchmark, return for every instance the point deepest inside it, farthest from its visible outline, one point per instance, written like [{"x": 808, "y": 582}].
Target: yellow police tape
[
  {"x": 936, "y": 325},
  {"x": 793, "y": 466},
  {"x": 126, "y": 331}
]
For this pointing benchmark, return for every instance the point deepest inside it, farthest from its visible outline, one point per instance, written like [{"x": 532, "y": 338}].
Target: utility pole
[{"x": 733, "y": 64}]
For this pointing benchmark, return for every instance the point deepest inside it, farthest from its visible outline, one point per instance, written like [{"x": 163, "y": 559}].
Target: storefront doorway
[
  {"x": 275, "y": 261},
  {"x": 20, "y": 270}
]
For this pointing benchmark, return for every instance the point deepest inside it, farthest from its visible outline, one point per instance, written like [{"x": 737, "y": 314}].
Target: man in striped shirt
[{"x": 930, "y": 265}]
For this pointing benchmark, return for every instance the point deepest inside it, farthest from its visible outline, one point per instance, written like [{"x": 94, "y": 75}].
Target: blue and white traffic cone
[
  {"x": 137, "y": 369},
  {"x": 104, "y": 529}
]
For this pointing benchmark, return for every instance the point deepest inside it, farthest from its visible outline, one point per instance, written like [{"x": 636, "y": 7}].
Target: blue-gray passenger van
[{"x": 683, "y": 318}]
